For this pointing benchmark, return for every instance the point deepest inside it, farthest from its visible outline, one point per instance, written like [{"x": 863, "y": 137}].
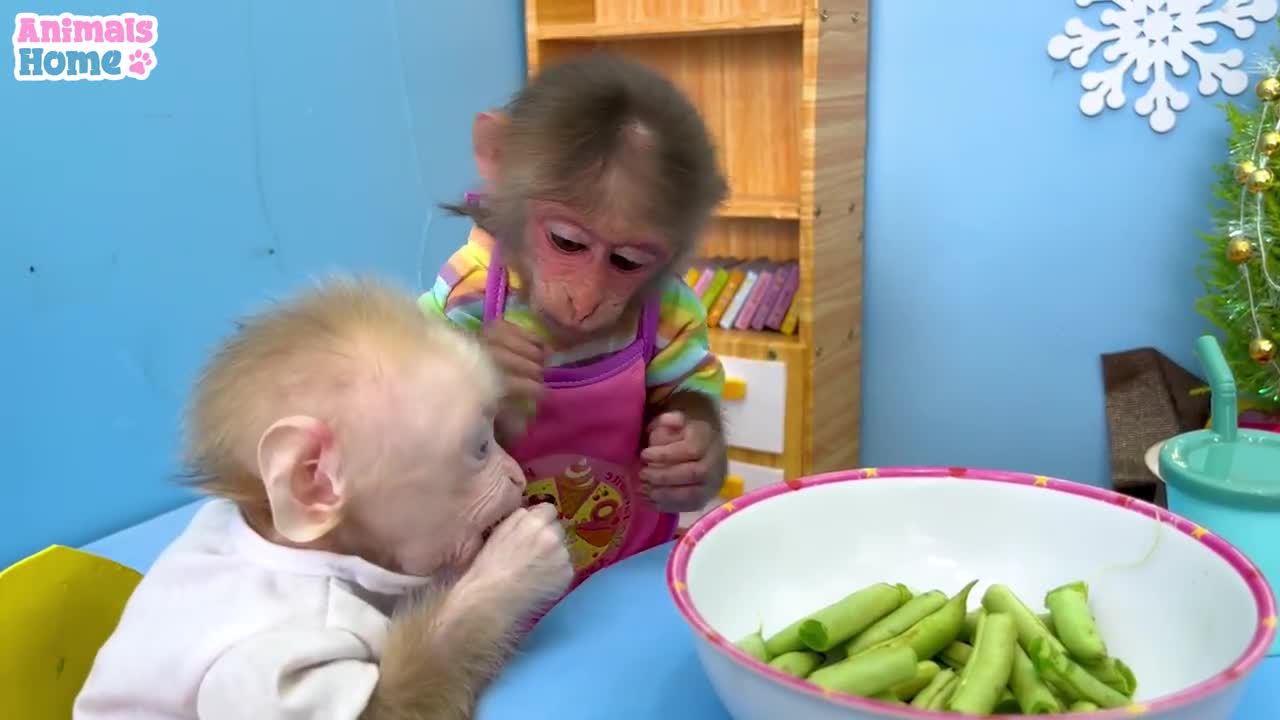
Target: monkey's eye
[
  {"x": 482, "y": 449},
  {"x": 624, "y": 264},
  {"x": 565, "y": 244}
]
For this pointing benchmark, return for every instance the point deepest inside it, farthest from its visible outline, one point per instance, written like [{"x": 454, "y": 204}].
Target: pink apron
[{"x": 582, "y": 449}]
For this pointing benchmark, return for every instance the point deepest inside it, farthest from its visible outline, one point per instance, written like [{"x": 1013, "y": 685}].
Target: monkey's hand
[
  {"x": 525, "y": 561},
  {"x": 443, "y": 649},
  {"x": 520, "y": 357},
  {"x": 685, "y": 462}
]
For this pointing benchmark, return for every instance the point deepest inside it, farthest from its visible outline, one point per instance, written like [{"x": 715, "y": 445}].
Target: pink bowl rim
[{"x": 1264, "y": 634}]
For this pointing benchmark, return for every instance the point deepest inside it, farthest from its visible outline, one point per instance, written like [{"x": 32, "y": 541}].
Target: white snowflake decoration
[{"x": 1152, "y": 40}]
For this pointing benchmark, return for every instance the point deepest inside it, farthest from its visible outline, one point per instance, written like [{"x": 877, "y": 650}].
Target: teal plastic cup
[{"x": 1226, "y": 479}]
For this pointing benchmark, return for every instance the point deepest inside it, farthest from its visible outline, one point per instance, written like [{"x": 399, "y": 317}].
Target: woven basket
[{"x": 1149, "y": 399}]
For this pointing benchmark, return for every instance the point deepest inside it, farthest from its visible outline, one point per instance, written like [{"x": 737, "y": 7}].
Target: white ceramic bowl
[{"x": 1184, "y": 609}]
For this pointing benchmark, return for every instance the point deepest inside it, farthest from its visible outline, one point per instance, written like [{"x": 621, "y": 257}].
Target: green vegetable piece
[
  {"x": 1007, "y": 704},
  {"x": 943, "y": 698},
  {"x": 926, "y": 695},
  {"x": 868, "y": 673},
  {"x": 1115, "y": 674},
  {"x": 1083, "y": 706},
  {"x": 1069, "y": 608},
  {"x": 798, "y": 663},
  {"x": 898, "y": 621},
  {"x": 833, "y": 656},
  {"x": 753, "y": 645},
  {"x": 926, "y": 670},
  {"x": 837, "y": 622},
  {"x": 1053, "y": 661},
  {"x": 936, "y": 631},
  {"x": 999, "y": 598},
  {"x": 1032, "y": 693},
  {"x": 1057, "y": 684},
  {"x": 888, "y": 697},
  {"x": 971, "y": 625},
  {"x": 986, "y": 674},
  {"x": 956, "y": 655},
  {"x": 1130, "y": 680},
  {"x": 1047, "y": 619}
]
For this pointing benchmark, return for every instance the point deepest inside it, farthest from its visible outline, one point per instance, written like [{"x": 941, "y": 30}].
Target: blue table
[{"x": 615, "y": 648}]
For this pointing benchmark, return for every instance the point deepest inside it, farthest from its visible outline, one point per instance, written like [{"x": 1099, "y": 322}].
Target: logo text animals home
[{"x": 84, "y": 47}]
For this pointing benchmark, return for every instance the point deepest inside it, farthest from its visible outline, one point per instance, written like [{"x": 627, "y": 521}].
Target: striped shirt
[{"x": 682, "y": 361}]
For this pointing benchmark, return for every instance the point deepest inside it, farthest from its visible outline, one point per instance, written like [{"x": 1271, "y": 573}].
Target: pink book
[
  {"x": 704, "y": 280},
  {"x": 783, "y": 303},
  {"x": 752, "y": 305},
  {"x": 776, "y": 281}
]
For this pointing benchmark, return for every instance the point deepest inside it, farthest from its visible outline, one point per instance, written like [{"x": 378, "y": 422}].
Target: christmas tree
[{"x": 1241, "y": 271}]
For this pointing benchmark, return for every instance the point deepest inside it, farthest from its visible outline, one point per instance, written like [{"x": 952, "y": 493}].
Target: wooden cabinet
[{"x": 782, "y": 85}]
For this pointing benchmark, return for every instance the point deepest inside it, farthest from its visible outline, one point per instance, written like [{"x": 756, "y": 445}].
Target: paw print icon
[{"x": 140, "y": 63}]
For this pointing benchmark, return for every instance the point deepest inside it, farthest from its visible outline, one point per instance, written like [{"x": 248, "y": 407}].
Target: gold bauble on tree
[
  {"x": 1239, "y": 250},
  {"x": 1262, "y": 350},
  {"x": 1260, "y": 180},
  {"x": 1268, "y": 89},
  {"x": 1269, "y": 143},
  {"x": 1244, "y": 170}
]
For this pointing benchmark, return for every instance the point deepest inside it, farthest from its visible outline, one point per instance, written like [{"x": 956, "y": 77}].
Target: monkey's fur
[
  {"x": 340, "y": 353},
  {"x": 605, "y": 135},
  {"x": 599, "y": 179}
]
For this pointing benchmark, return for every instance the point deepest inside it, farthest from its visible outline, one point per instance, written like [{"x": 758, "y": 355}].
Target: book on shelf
[
  {"x": 751, "y": 271},
  {"x": 786, "y": 298},
  {"x": 739, "y": 294},
  {"x": 734, "y": 275}
]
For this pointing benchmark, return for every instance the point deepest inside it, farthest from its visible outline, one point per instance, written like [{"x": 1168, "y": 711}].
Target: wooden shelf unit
[{"x": 782, "y": 86}]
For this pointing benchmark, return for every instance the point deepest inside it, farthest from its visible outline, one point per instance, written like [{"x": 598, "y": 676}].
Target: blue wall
[
  {"x": 138, "y": 218},
  {"x": 1010, "y": 240}
]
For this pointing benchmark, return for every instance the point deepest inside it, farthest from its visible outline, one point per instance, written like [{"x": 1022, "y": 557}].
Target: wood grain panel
[
  {"x": 749, "y": 239},
  {"x": 762, "y": 80},
  {"x": 835, "y": 338}
]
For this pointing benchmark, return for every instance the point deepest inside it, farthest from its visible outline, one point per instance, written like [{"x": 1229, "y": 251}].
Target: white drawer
[
  {"x": 756, "y": 421},
  {"x": 752, "y": 477}
]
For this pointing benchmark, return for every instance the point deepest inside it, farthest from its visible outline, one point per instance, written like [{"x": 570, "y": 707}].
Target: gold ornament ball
[
  {"x": 1269, "y": 143},
  {"x": 1244, "y": 170},
  {"x": 1268, "y": 89},
  {"x": 1262, "y": 350},
  {"x": 1260, "y": 180},
  {"x": 1239, "y": 250}
]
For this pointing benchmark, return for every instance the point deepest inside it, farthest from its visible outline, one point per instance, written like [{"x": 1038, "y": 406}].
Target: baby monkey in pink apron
[{"x": 599, "y": 177}]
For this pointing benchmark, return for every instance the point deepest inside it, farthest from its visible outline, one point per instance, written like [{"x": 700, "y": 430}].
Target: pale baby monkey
[{"x": 365, "y": 556}]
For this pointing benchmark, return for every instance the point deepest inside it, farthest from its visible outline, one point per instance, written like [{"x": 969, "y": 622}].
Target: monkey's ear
[
  {"x": 296, "y": 464},
  {"x": 486, "y": 141}
]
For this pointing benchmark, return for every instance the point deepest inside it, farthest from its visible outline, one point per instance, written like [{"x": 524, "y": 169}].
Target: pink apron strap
[{"x": 495, "y": 287}]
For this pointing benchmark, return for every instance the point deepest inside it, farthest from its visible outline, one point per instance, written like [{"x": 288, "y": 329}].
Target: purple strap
[{"x": 495, "y": 287}]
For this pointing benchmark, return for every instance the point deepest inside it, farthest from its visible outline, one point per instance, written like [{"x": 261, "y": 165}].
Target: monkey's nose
[
  {"x": 582, "y": 307},
  {"x": 517, "y": 479}
]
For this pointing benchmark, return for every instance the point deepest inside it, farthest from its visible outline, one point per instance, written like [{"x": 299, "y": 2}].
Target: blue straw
[{"x": 1222, "y": 385}]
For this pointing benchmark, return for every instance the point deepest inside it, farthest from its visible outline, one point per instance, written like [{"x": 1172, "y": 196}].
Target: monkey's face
[
  {"x": 447, "y": 482},
  {"x": 490, "y": 486},
  {"x": 584, "y": 272}
]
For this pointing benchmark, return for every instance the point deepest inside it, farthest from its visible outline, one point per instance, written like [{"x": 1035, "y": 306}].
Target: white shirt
[{"x": 226, "y": 625}]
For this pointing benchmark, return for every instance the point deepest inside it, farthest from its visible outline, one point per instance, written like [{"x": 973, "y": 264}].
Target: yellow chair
[{"x": 57, "y": 607}]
